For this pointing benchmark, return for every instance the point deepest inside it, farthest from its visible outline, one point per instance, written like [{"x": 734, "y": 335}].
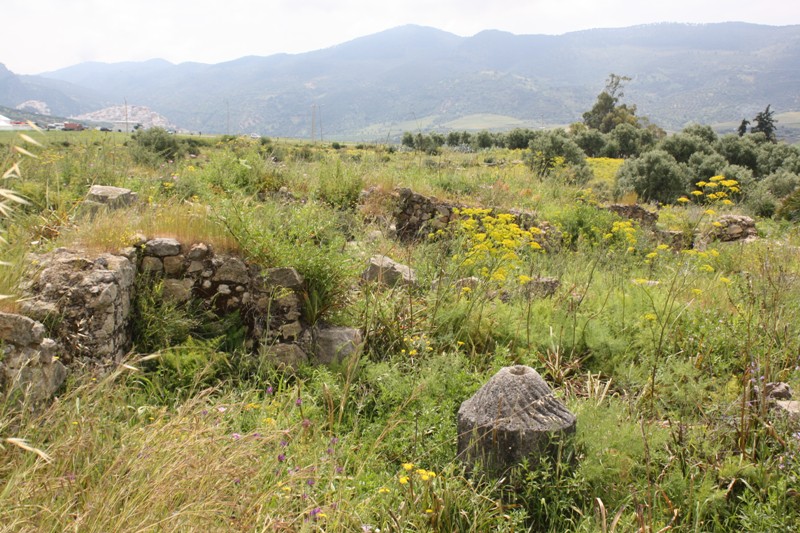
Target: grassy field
[{"x": 661, "y": 354}]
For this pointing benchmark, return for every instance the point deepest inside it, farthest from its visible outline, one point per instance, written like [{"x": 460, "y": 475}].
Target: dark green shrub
[
  {"x": 790, "y": 208},
  {"x": 655, "y": 176},
  {"x": 554, "y": 150},
  {"x": 155, "y": 146}
]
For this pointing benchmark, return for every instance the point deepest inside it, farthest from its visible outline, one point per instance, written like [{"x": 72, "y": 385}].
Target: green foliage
[
  {"x": 655, "y": 176},
  {"x": 550, "y": 151},
  {"x": 584, "y": 224},
  {"x": 682, "y": 146},
  {"x": 340, "y": 188},
  {"x": 657, "y": 351},
  {"x": 243, "y": 170},
  {"x": 155, "y": 145},
  {"x": 764, "y": 122},
  {"x": 742, "y": 151},
  {"x": 593, "y": 143},
  {"x": 790, "y": 207},
  {"x": 627, "y": 139},
  {"x": 307, "y": 238},
  {"x": 606, "y": 114},
  {"x": 159, "y": 323}
]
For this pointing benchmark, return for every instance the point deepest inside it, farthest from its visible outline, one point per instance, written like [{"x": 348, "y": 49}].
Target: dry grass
[
  {"x": 117, "y": 468},
  {"x": 112, "y": 231}
]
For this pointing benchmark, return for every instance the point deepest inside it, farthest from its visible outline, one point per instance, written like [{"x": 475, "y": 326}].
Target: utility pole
[
  {"x": 320, "y": 123},
  {"x": 313, "y": 121}
]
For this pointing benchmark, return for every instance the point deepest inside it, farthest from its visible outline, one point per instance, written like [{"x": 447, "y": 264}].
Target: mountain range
[{"x": 420, "y": 78}]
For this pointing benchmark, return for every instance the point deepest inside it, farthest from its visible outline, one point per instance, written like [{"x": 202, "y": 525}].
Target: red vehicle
[{"x": 73, "y": 126}]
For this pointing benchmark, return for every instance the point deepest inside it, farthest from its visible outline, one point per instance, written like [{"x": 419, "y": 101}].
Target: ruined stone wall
[
  {"x": 29, "y": 362},
  {"x": 85, "y": 303},
  {"x": 416, "y": 215}
]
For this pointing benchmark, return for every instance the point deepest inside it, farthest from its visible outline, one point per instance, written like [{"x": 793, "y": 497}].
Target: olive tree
[{"x": 655, "y": 176}]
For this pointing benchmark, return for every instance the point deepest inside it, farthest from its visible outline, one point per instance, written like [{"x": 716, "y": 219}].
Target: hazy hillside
[{"x": 415, "y": 77}]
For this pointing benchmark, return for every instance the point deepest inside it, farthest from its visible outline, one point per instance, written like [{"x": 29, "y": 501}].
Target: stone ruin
[
  {"x": 416, "y": 215},
  {"x": 635, "y": 212},
  {"x": 734, "y": 228},
  {"x": 86, "y": 303},
  {"x": 29, "y": 363},
  {"x": 513, "y": 418}
]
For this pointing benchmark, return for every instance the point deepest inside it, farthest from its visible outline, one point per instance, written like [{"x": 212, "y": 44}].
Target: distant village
[{"x": 7, "y": 124}]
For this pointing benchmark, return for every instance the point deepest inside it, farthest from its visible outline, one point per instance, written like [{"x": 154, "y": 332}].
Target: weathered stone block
[
  {"x": 162, "y": 247},
  {"x": 232, "y": 270},
  {"x": 288, "y": 356},
  {"x": 198, "y": 252},
  {"x": 27, "y": 362},
  {"x": 284, "y": 277},
  {"x": 734, "y": 228},
  {"x": 384, "y": 270},
  {"x": 113, "y": 197},
  {"x": 178, "y": 290},
  {"x": 20, "y": 330},
  {"x": 152, "y": 265},
  {"x": 335, "y": 344},
  {"x": 173, "y": 265},
  {"x": 512, "y": 418}
]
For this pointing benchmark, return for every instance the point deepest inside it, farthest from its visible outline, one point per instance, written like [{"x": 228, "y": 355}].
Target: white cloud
[{"x": 49, "y": 34}]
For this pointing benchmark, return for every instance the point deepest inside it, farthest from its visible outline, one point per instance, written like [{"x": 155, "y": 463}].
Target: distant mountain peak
[{"x": 415, "y": 77}]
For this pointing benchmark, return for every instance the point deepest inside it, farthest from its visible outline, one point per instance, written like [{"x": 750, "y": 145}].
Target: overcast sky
[{"x": 42, "y": 35}]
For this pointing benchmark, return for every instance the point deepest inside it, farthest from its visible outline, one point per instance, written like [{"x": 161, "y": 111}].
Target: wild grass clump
[{"x": 308, "y": 238}]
